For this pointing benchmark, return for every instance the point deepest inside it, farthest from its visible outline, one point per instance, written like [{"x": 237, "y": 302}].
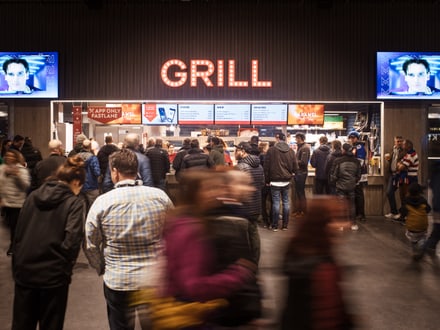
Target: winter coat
[
  {"x": 345, "y": 173},
  {"x": 217, "y": 155},
  {"x": 251, "y": 165},
  {"x": 318, "y": 160},
  {"x": 416, "y": 210},
  {"x": 303, "y": 157},
  {"x": 159, "y": 162},
  {"x": 330, "y": 160},
  {"x": 93, "y": 171},
  {"x": 196, "y": 158},
  {"x": 48, "y": 236},
  {"x": 280, "y": 163},
  {"x": 14, "y": 188},
  {"x": 178, "y": 159},
  {"x": 103, "y": 154}
]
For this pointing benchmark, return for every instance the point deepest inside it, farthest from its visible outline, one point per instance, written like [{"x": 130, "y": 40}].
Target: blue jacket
[
  {"x": 144, "y": 173},
  {"x": 93, "y": 171}
]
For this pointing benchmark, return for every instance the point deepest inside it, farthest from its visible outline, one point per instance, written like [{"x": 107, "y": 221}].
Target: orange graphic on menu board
[
  {"x": 131, "y": 114},
  {"x": 305, "y": 114},
  {"x": 150, "y": 111}
]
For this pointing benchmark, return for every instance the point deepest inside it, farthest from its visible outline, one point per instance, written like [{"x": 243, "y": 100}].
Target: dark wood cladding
[{"x": 311, "y": 50}]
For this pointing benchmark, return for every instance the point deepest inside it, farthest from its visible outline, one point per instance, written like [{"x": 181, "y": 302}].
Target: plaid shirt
[{"x": 124, "y": 233}]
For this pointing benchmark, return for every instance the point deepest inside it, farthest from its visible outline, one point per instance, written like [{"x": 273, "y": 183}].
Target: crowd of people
[{"x": 113, "y": 202}]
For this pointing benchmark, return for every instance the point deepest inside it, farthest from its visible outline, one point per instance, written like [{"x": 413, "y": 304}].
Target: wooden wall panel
[{"x": 309, "y": 51}]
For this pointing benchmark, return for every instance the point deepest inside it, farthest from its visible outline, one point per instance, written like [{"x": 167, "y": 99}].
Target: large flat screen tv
[
  {"x": 408, "y": 75},
  {"x": 28, "y": 74}
]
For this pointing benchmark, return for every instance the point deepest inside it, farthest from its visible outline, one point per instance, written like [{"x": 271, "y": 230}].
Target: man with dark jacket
[
  {"x": 160, "y": 164},
  {"x": 104, "y": 152},
  {"x": 196, "y": 158},
  {"x": 47, "y": 167},
  {"x": 251, "y": 208},
  {"x": 345, "y": 174},
  {"x": 279, "y": 166},
  {"x": 318, "y": 160},
  {"x": 303, "y": 157},
  {"x": 177, "y": 161}
]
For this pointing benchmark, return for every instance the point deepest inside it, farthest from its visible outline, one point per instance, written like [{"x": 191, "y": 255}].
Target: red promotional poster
[
  {"x": 77, "y": 121},
  {"x": 104, "y": 114}
]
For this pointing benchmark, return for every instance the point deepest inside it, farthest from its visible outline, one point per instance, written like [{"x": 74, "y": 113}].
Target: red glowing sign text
[{"x": 204, "y": 69}]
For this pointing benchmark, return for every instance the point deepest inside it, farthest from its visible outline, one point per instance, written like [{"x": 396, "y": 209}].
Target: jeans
[
  {"x": 120, "y": 315},
  {"x": 391, "y": 189},
  {"x": 280, "y": 194},
  {"x": 300, "y": 192}
]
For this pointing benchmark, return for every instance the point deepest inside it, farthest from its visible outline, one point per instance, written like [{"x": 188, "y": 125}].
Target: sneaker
[
  {"x": 396, "y": 216},
  {"x": 274, "y": 229},
  {"x": 389, "y": 216},
  {"x": 284, "y": 228},
  {"x": 354, "y": 227}
]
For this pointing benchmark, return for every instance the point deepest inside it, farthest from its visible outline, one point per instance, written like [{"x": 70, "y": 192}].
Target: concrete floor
[{"x": 385, "y": 289}]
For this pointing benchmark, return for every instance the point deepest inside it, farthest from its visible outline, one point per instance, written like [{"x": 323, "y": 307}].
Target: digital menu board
[
  {"x": 305, "y": 114},
  {"x": 196, "y": 114},
  {"x": 159, "y": 114},
  {"x": 226, "y": 114},
  {"x": 269, "y": 114}
]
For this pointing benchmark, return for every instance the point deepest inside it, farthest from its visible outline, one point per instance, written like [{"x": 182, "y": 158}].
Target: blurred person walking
[
  {"x": 14, "y": 184},
  {"x": 123, "y": 236},
  {"x": 315, "y": 298},
  {"x": 207, "y": 247},
  {"x": 434, "y": 237},
  {"x": 46, "y": 245},
  {"x": 415, "y": 210}
]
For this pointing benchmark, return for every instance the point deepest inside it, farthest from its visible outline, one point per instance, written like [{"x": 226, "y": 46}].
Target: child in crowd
[{"x": 415, "y": 210}]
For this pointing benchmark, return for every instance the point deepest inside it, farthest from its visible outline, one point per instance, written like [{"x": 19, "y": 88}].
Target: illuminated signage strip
[{"x": 175, "y": 73}]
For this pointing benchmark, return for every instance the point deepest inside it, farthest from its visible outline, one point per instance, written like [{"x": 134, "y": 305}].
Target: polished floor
[{"x": 384, "y": 287}]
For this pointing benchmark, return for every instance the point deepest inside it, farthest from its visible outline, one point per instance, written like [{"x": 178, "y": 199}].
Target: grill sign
[{"x": 175, "y": 73}]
